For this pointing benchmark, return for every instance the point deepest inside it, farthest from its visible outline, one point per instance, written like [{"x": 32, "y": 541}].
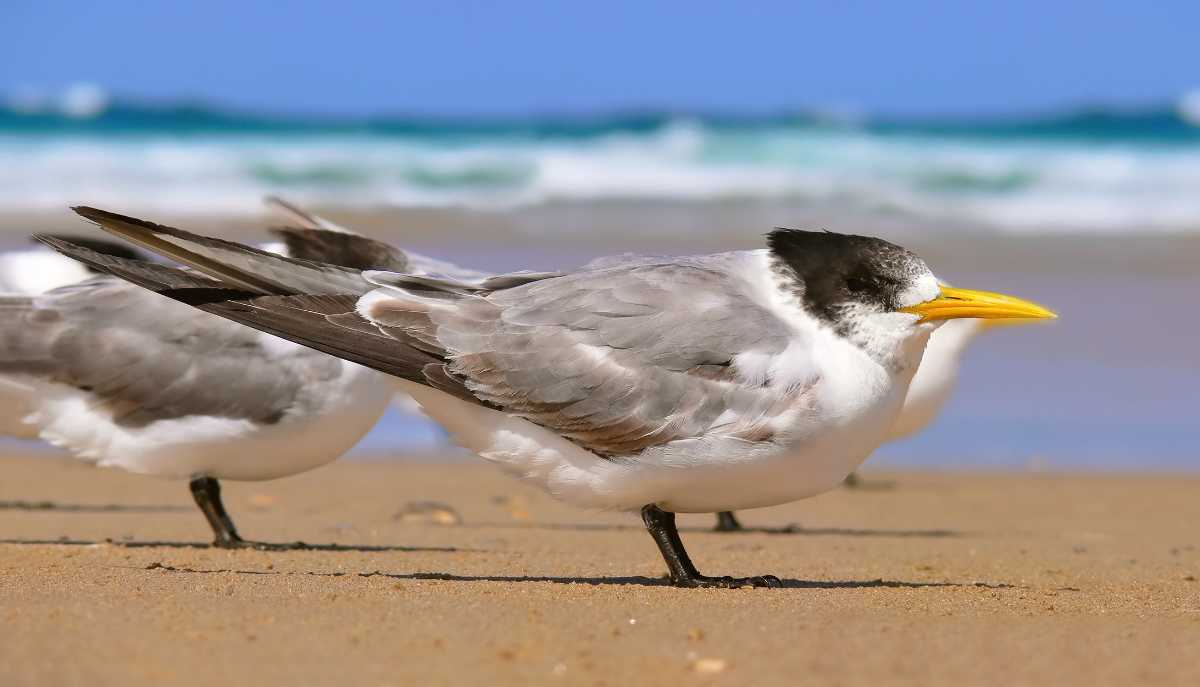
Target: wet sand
[
  {"x": 562, "y": 235},
  {"x": 918, "y": 578}
]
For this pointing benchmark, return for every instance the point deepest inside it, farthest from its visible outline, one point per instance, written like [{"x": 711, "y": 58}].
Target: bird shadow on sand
[
  {"x": 872, "y": 485},
  {"x": 56, "y": 507},
  {"x": 835, "y": 531},
  {"x": 746, "y": 529},
  {"x": 257, "y": 546},
  {"x": 640, "y": 581},
  {"x": 664, "y": 582}
]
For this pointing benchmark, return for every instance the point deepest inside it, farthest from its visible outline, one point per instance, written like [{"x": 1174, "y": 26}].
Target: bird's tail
[
  {"x": 120, "y": 249},
  {"x": 150, "y": 275},
  {"x": 341, "y": 248},
  {"x": 325, "y": 321},
  {"x": 233, "y": 264}
]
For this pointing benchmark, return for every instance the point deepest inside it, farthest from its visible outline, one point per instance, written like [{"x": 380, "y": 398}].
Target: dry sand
[{"x": 916, "y": 579}]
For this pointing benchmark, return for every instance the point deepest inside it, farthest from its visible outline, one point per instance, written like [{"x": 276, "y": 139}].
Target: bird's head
[{"x": 876, "y": 293}]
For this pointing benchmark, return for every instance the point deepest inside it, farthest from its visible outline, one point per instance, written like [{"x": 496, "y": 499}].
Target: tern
[
  {"x": 697, "y": 384},
  {"x": 121, "y": 377}
]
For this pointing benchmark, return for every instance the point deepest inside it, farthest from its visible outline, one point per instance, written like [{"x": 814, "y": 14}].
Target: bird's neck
[{"x": 890, "y": 340}]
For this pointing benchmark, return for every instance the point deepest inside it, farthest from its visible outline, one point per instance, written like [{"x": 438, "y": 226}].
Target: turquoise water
[
  {"x": 1086, "y": 170},
  {"x": 1167, "y": 124}
]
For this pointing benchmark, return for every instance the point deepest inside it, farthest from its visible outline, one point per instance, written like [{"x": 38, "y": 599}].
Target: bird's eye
[{"x": 858, "y": 284}]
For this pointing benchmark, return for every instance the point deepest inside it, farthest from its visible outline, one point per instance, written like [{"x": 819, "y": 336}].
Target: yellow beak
[{"x": 955, "y": 303}]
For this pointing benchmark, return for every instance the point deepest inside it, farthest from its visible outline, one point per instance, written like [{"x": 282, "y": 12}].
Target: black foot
[
  {"x": 727, "y": 522},
  {"x": 852, "y": 481},
  {"x": 661, "y": 526}
]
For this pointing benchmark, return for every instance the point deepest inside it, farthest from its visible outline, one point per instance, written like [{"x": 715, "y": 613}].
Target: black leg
[
  {"x": 207, "y": 492},
  {"x": 727, "y": 522},
  {"x": 661, "y": 526}
]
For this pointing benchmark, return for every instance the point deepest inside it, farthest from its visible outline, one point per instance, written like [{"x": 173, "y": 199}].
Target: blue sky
[{"x": 913, "y": 57}]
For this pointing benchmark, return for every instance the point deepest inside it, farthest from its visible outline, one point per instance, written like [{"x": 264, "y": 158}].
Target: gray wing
[
  {"x": 402, "y": 261},
  {"x": 617, "y": 359},
  {"x": 146, "y": 358},
  {"x": 339, "y": 248}
]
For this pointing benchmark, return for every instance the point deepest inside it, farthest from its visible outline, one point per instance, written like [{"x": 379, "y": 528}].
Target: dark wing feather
[
  {"x": 438, "y": 286},
  {"x": 118, "y": 248},
  {"x": 341, "y": 248},
  {"x": 236, "y": 265},
  {"x": 324, "y": 322}
]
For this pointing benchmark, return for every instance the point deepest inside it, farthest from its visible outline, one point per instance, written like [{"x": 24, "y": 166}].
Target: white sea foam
[{"x": 1010, "y": 183}]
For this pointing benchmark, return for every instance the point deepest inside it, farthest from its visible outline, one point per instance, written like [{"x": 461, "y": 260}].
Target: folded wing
[
  {"x": 146, "y": 359},
  {"x": 616, "y": 359}
]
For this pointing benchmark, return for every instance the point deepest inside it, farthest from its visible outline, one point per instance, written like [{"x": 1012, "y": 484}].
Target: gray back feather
[
  {"x": 617, "y": 359},
  {"x": 144, "y": 358}
]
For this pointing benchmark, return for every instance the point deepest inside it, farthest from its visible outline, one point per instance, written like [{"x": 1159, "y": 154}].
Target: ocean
[{"x": 1086, "y": 170}]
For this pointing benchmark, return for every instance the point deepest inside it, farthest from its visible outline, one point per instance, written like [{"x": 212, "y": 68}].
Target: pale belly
[
  {"x": 217, "y": 447},
  {"x": 727, "y": 474},
  {"x": 768, "y": 475},
  {"x": 768, "y": 480}
]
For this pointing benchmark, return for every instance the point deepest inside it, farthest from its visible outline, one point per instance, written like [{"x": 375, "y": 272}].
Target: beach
[
  {"x": 674, "y": 251},
  {"x": 915, "y": 578},
  {"x": 998, "y": 555}
]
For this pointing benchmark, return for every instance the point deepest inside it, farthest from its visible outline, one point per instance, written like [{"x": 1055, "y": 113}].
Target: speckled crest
[{"x": 831, "y": 271}]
